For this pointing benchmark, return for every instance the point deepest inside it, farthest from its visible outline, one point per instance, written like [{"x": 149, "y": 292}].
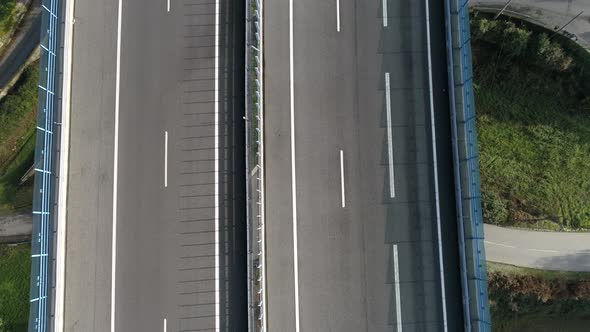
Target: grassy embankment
[
  {"x": 18, "y": 112},
  {"x": 529, "y": 300},
  {"x": 15, "y": 268},
  {"x": 532, "y": 94}
]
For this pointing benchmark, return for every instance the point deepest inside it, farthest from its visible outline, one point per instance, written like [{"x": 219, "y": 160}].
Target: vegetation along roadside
[
  {"x": 529, "y": 300},
  {"x": 15, "y": 268},
  {"x": 532, "y": 94},
  {"x": 18, "y": 111}
]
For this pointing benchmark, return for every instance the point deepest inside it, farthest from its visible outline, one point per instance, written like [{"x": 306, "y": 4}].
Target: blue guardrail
[
  {"x": 43, "y": 194},
  {"x": 467, "y": 182}
]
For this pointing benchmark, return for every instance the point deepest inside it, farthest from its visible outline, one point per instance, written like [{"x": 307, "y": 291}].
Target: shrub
[
  {"x": 582, "y": 218},
  {"x": 494, "y": 207},
  {"x": 6, "y": 14},
  {"x": 514, "y": 39},
  {"x": 482, "y": 26},
  {"x": 549, "y": 55},
  {"x": 539, "y": 47},
  {"x": 535, "y": 292}
]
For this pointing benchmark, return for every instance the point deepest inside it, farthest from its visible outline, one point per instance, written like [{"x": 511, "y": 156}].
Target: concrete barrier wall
[{"x": 467, "y": 183}]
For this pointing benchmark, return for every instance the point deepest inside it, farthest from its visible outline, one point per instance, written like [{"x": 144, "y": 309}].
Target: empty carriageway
[
  {"x": 156, "y": 194},
  {"x": 361, "y": 230}
]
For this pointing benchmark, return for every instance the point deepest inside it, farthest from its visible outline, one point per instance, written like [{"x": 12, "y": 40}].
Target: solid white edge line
[
  {"x": 216, "y": 180},
  {"x": 500, "y": 244},
  {"x": 115, "y": 166},
  {"x": 342, "y": 178},
  {"x": 398, "y": 306},
  {"x": 434, "y": 160},
  {"x": 543, "y": 250},
  {"x": 166, "y": 158},
  {"x": 262, "y": 175},
  {"x": 293, "y": 173},
  {"x": 63, "y": 169},
  {"x": 389, "y": 137},
  {"x": 168, "y": 5},
  {"x": 338, "y": 15},
  {"x": 384, "y": 13},
  {"x": 513, "y": 247},
  {"x": 165, "y": 325}
]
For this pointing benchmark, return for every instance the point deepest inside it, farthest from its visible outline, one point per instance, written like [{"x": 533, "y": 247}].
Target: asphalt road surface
[
  {"x": 351, "y": 220},
  {"x": 558, "y": 251},
  {"x": 172, "y": 256}
]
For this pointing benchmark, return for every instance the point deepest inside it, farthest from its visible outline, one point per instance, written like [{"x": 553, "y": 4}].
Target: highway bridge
[
  {"x": 371, "y": 210},
  {"x": 150, "y": 234},
  {"x": 361, "y": 213}
]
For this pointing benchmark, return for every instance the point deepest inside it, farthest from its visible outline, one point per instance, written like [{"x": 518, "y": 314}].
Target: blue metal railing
[
  {"x": 457, "y": 175},
  {"x": 43, "y": 195},
  {"x": 470, "y": 221}
]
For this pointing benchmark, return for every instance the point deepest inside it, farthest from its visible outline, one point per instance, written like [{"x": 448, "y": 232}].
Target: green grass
[
  {"x": 534, "y": 141},
  {"x": 7, "y": 15},
  {"x": 18, "y": 112},
  {"x": 523, "y": 299},
  {"x": 540, "y": 323},
  {"x": 15, "y": 270},
  {"x": 545, "y": 274},
  {"x": 15, "y": 196}
]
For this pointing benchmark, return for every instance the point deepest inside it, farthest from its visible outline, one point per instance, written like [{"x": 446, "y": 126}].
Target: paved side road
[
  {"x": 16, "y": 228},
  {"x": 541, "y": 250},
  {"x": 550, "y": 13}
]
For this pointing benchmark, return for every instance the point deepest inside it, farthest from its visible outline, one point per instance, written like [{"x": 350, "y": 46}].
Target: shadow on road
[
  {"x": 575, "y": 261},
  {"x": 232, "y": 166}
]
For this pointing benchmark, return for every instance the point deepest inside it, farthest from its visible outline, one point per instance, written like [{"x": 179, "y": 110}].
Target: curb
[{"x": 63, "y": 167}]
